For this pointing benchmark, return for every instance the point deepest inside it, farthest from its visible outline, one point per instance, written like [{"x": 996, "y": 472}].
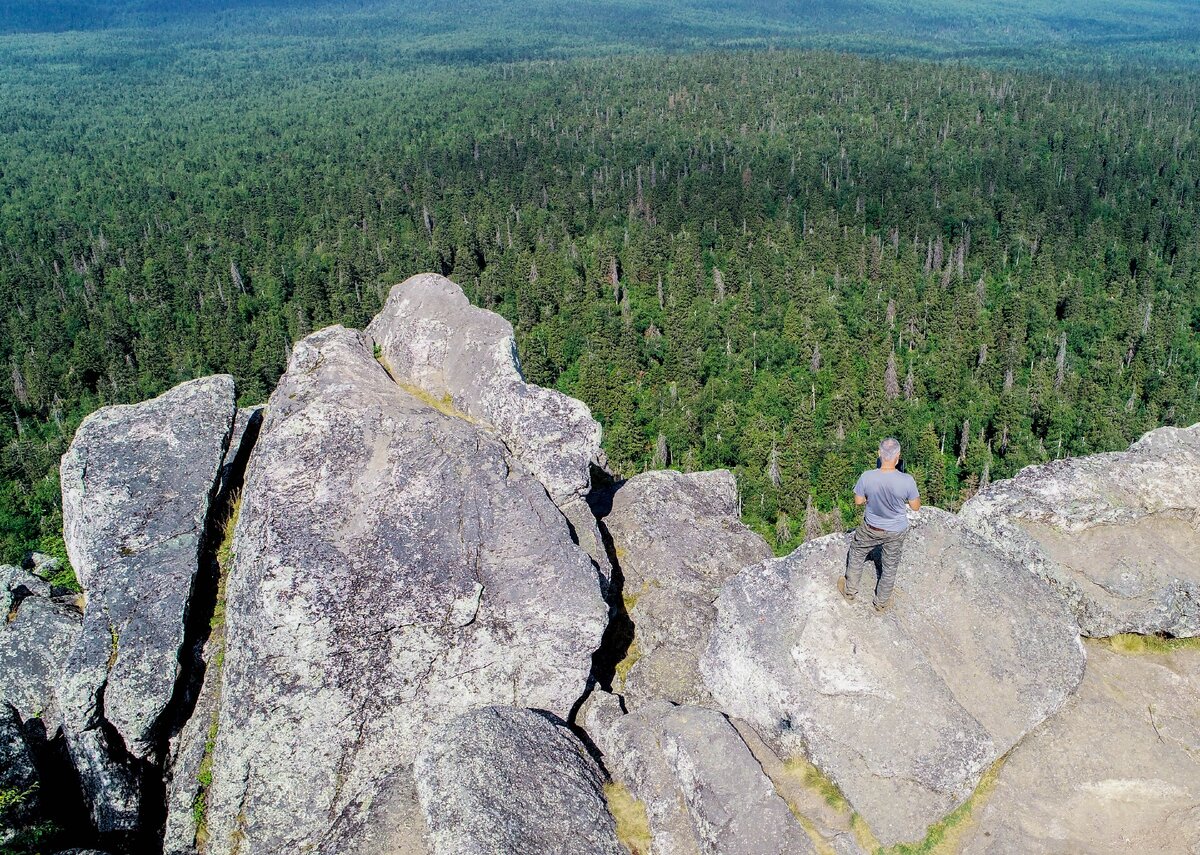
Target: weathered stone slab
[
  {"x": 1118, "y": 770},
  {"x": 703, "y": 790},
  {"x": 431, "y": 337},
  {"x": 393, "y": 569},
  {"x": 500, "y": 780},
  {"x": 1117, "y": 535},
  {"x": 905, "y": 710},
  {"x": 678, "y": 539},
  {"x": 137, "y": 482}
]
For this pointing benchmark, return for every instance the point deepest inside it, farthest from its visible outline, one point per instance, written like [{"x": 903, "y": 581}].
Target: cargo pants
[{"x": 865, "y": 540}]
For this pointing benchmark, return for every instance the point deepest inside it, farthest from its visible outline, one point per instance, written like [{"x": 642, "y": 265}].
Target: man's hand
[
  {"x": 859, "y": 500},
  {"x": 915, "y": 504}
]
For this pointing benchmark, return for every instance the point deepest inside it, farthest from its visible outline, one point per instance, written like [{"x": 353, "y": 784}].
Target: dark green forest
[{"x": 757, "y": 259}]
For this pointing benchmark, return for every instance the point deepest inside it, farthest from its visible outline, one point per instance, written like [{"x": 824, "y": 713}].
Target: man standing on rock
[{"x": 888, "y": 493}]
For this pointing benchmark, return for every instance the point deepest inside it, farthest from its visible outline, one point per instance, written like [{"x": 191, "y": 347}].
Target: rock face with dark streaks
[
  {"x": 1117, "y": 535},
  {"x": 502, "y": 779},
  {"x": 431, "y": 337},
  {"x": 137, "y": 481},
  {"x": 904, "y": 711},
  {"x": 394, "y": 568},
  {"x": 678, "y": 539}
]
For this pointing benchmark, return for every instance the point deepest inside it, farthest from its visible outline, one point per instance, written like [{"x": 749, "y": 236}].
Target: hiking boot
[
  {"x": 880, "y": 609},
  {"x": 841, "y": 586}
]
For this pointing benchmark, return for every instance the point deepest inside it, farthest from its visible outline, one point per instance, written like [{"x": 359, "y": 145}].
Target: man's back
[{"x": 888, "y": 492}]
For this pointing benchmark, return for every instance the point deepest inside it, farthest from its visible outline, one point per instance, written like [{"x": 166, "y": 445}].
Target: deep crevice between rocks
[
  {"x": 198, "y": 614},
  {"x": 619, "y": 631}
]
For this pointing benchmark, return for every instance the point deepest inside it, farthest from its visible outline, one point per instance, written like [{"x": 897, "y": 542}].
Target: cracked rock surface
[
  {"x": 1115, "y": 534},
  {"x": 431, "y": 337},
  {"x": 36, "y": 637},
  {"x": 502, "y": 779},
  {"x": 679, "y": 539},
  {"x": 136, "y": 485},
  {"x": 1118, "y": 770},
  {"x": 703, "y": 790},
  {"x": 904, "y": 711},
  {"x": 393, "y": 569}
]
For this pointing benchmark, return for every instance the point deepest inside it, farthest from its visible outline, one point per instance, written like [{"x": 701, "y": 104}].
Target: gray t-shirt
[{"x": 888, "y": 493}]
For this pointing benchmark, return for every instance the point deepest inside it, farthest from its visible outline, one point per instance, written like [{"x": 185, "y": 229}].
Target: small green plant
[
  {"x": 1133, "y": 644},
  {"x": 632, "y": 655},
  {"x": 633, "y": 824}
]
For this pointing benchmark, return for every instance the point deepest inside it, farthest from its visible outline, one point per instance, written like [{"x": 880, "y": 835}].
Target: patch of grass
[
  {"x": 632, "y": 655},
  {"x": 225, "y": 558},
  {"x": 942, "y": 837},
  {"x": 1133, "y": 644},
  {"x": 444, "y": 404},
  {"x": 633, "y": 825},
  {"x": 815, "y": 779},
  {"x": 204, "y": 779},
  {"x": 863, "y": 834},
  {"x": 116, "y": 642}
]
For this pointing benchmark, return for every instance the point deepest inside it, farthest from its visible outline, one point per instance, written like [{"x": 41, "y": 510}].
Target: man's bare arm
[
  {"x": 915, "y": 504},
  {"x": 859, "y": 500}
]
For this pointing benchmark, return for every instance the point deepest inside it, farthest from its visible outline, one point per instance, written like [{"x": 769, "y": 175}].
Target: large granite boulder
[
  {"x": 37, "y": 635},
  {"x": 393, "y": 569},
  {"x": 678, "y": 539},
  {"x": 432, "y": 338},
  {"x": 137, "y": 483},
  {"x": 1118, "y": 770},
  {"x": 500, "y": 780},
  {"x": 1117, "y": 535},
  {"x": 703, "y": 790},
  {"x": 904, "y": 711}
]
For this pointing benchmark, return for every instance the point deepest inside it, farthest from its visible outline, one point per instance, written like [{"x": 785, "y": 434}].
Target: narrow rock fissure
[
  {"x": 201, "y": 606},
  {"x": 619, "y": 631}
]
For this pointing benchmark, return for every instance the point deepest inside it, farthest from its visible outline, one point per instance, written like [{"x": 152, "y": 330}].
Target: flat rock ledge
[
  {"x": 1118, "y": 770},
  {"x": 1117, "y": 535},
  {"x": 904, "y": 711}
]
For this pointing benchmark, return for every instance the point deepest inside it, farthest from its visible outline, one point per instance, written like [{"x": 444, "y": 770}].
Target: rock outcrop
[
  {"x": 703, "y": 790},
  {"x": 903, "y": 711},
  {"x": 678, "y": 539},
  {"x": 499, "y": 780},
  {"x": 394, "y": 568},
  {"x": 37, "y": 635},
  {"x": 432, "y": 338},
  {"x": 1118, "y": 770},
  {"x": 1117, "y": 535},
  {"x": 137, "y": 482}
]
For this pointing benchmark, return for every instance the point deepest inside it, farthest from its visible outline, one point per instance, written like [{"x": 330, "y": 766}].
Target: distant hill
[{"x": 1090, "y": 32}]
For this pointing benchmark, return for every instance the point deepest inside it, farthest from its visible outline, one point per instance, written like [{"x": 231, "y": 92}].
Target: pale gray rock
[
  {"x": 703, "y": 790},
  {"x": 17, "y": 584},
  {"x": 36, "y": 640},
  {"x": 1118, "y": 770},
  {"x": 903, "y": 711},
  {"x": 393, "y": 569},
  {"x": 136, "y": 482},
  {"x": 678, "y": 538},
  {"x": 431, "y": 337},
  {"x": 184, "y": 758},
  {"x": 502, "y": 780},
  {"x": 587, "y": 534},
  {"x": 1117, "y": 535}
]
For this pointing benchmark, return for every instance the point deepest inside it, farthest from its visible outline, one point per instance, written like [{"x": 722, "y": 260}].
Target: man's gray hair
[{"x": 889, "y": 448}]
